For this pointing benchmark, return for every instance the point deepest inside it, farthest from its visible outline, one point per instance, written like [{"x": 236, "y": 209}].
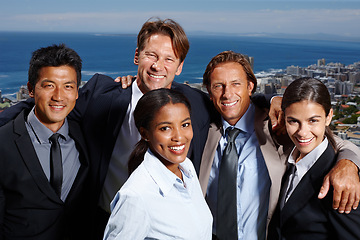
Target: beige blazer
[
  {"x": 275, "y": 156},
  {"x": 274, "y": 150}
]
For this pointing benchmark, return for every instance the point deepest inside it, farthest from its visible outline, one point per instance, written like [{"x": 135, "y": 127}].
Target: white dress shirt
[
  {"x": 155, "y": 204},
  {"x": 304, "y": 165}
]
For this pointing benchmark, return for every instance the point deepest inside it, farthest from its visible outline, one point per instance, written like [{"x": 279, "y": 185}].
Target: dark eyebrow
[
  {"x": 51, "y": 81},
  {"x": 186, "y": 119},
  {"x": 161, "y": 123},
  {"x": 316, "y": 116}
]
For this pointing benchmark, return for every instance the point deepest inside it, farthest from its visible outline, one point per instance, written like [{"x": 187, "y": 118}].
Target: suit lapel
[
  {"x": 29, "y": 156},
  {"x": 76, "y": 134},
  {"x": 274, "y": 155},
  {"x": 208, "y": 156},
  {"x": 298, "y": 199},
  {"x": 117, "y": 106},
  {"x": 309, "y": 185}
]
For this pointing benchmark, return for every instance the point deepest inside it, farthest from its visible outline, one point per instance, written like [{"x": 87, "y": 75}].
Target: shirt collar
[
  {"x": 136, "y": 92},
  {"x": 162, "y": 176},
  {"x": 308, "y": 161},
  {"x": 245, "y": 123},
  {"x": 41, "y": 132}
]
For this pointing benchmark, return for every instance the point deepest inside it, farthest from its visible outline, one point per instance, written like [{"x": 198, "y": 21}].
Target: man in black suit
[
  {"x": 104, "y": 109},
  {"x": 43, "y": 182}
]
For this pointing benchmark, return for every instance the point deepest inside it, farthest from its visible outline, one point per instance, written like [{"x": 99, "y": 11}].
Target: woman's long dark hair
[
  {"x": 312, "y": 90},
  {"x": 144, "y": 113}
]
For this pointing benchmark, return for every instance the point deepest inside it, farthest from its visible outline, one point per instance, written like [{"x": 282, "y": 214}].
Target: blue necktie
[{"x": 226, "y": 203}]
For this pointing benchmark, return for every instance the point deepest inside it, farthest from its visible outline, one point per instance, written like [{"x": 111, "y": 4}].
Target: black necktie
[
  {"x": 226, "y": 203},
  {"x": 287, "y": 184},
  {"x": 56, "y": 170}
]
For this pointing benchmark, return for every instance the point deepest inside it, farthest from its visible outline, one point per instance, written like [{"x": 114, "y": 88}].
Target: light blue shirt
[
  {"x": 155, "y": 204},
  {"x": 253, "y": 180}
]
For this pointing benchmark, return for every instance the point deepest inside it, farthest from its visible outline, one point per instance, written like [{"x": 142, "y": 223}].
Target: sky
[{"x": 336, "y": 17}]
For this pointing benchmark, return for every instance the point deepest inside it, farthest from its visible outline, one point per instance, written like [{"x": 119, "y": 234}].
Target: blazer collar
[
  {"x": 309, "y": 185},
  {"x": 27, "y": 151},
  {"x": 76, "y": 134},
  {"x": 207, "y": 159},
  {"x": 117, "y": 107}
]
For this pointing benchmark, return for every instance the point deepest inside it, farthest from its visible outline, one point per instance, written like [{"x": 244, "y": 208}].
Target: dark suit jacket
[
  {"x": 101, "y": 108},
  {"x": 304, "y": 216},
  {"x": 100, "y": 111},
  {"x": 29, "y": 207}
]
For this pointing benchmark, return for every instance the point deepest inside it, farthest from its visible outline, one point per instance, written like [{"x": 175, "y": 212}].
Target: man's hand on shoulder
[
  {"x": 344, "y": 178},
  {"x": 125, "y": 81},
  {"x": 276, "y": 116}
]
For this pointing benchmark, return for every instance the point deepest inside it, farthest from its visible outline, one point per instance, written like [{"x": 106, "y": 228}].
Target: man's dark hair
[{"x": 54, "y": 56}]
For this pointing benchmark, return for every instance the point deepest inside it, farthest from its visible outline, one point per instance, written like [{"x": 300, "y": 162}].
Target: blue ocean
[{"x": 112, "y": 54}]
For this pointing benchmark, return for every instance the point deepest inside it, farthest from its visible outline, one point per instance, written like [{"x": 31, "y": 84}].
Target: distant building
[
  {"x": 282, "y": 90},
  {"x": 353, "y": 135},
  {"x": 310, "y": 72},
  {"x": 295, "y": 70},
  {"x": 267, "y": 88},
  {"x": 22, "y": 94},
  {"x": 331, "y": 89},
  {"x": 251, "y": 61},
  {"x": 339, "y": 76},
  {"x": 343, "y": 88},
  {"x": 318, "y": 74},
  {"x": 284, "y": 82},
  {"x": 321, "y": 62},
  {"x": 354, "y": 77}
]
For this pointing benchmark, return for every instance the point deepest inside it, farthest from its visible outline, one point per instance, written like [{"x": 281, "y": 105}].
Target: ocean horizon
[{"x": 112, "y": 54}]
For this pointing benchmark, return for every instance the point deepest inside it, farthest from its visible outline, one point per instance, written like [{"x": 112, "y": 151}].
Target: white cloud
[{"x": 303, "y": 21}]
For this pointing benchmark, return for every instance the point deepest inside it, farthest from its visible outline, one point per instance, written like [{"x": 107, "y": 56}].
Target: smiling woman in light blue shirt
[{"x": 162, "y": 198}]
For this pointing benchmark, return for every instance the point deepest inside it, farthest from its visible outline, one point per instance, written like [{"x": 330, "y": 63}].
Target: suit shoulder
[
  {"x": 15, "y": 125},
  {"x": 76, "y": 132},
  {"x": 7, "y": 136},
  {"x": 6, "y": 129},
  {"x": 193, "y": 94},
  {"x": 100, "y": 84},
  {"x": 100, "y": 77},
  {"x": 185, "y": 88}
]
